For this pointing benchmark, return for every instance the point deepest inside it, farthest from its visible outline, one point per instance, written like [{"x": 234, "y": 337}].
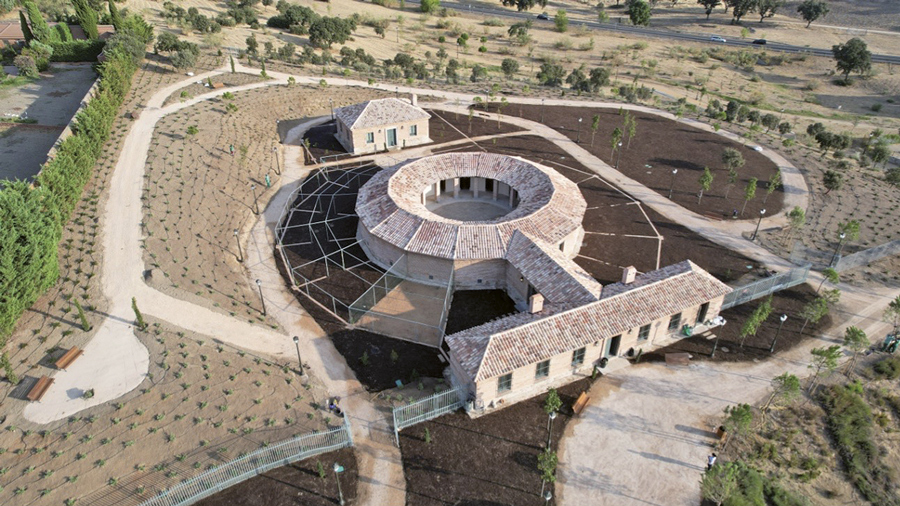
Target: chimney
[
  {"x": 414, "y": 99},
  {"x": 535, "y": 303},
  {"x": 628, "y": 275}
]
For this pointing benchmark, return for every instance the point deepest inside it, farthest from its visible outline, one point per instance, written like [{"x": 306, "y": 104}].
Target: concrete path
[
  {"x": 657, "y": 422},
  {"x": 381, "y": 476}
]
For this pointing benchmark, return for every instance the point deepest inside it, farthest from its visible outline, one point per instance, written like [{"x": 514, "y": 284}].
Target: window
[
  {"x": 370, "y": 137},
  {"x": 542, "y": 370},
  {"x": 578, "y": 357},
  {"x": 674, "y": 322},
  {"x": 413, "y": 130},
  {"x": 504, "y": 383},
  {"x": 644, "y": 334}
]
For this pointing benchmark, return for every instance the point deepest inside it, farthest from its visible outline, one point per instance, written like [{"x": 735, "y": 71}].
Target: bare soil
[
  {"x": 203, "y": 403},
  {"x": 471, "y": 308},
  {"x": 379, "y": 371},
  {"x": 298, "y": 483},
  {"x": 611, "y": 215},
  {"x": 756, "y": 347},
  {"x": 452, "y": 469},
  {"x": 194, "y": 255},
  {"x": 201, "y": 87},
  {"x": 660, "y": 146}
]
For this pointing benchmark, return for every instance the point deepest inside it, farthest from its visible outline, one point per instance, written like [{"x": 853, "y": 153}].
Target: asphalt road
[{"x": 651, "y": 32}]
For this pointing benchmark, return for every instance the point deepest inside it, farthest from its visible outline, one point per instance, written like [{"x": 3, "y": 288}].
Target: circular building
[{"x": 454, "y": 217}]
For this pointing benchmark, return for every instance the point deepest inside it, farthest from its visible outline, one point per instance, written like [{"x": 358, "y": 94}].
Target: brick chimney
[
  {"x": 535, "y": 303},
  {"x": 414, "y": 99},
  {"x": 628, "y": 275}
]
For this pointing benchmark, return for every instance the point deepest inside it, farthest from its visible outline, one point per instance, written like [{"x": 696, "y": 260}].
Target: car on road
[
  {"x": 716, "y": 38},
  {"x": 759, "y": 42},
  {"x": 543, "y": 16}
]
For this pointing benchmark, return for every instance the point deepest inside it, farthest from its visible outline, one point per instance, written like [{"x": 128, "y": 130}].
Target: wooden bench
[
  {"x": 70, "y": 356},
  {"x": 39, "y": 388},
  {"x": 579, "y": 405}
]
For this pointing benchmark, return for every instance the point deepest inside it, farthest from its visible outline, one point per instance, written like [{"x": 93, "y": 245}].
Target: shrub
[
  {"x": 887, "y": 368},
  {"x": 77, "y": 50},
  {"x": 42, "y": 210},
  {"x": 26, "y": 65}
]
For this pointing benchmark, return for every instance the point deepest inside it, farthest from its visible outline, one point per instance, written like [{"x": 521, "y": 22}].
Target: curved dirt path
[{"x": 381, "y": 474}]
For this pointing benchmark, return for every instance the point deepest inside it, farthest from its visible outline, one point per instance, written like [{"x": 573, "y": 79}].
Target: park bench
[
  {"x": 67, "y": 359},
  {"x": 579, "y": 405},
  {"x": 39, "y": 388}
]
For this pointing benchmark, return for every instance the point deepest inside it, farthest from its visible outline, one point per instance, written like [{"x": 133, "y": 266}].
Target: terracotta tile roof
[
  {"x": 553, "y": 275},
  {"x": 504, "y": 345},
  {"x": 379, "y": 112},
  {"x": 550, "y": 206}
]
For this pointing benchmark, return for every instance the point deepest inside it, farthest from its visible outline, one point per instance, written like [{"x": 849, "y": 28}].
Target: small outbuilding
[{"x": 380, "y": 125}]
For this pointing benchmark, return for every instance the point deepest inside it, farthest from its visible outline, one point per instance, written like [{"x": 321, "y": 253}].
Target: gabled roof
[
  {"x": 379, "y": 112},
  {"x": 501, "y": 346},
  {"x": 550, "y": 272}
]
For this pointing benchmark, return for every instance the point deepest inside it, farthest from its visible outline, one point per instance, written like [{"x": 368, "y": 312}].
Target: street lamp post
[
  {"x": 337, "y": 469},
  {"x": 762, "y": 212},
  {"x": 619, "y": 155},
  {"x": 842, "y": 235},
  {"x": 542, "y": 111},
  {"x": 277, "y": 161},
  {"x": 783, "y": 318},
  {"x": 240, "y": 257},
  {"x": 672, "y": 185},
  {"x": 331, "y": 101},
  {"x": 547, "y": 496},
  {"x": 578, "y": 135},
  {"x": 396, "y": 91},
  {"x": 299, "y": 361},
  {"x": 262, "y": 301},
  {"x": 550, "y": 428},
  {"x": 255, "y": 201}
]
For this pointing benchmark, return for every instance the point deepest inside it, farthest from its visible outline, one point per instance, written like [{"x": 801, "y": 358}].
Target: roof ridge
[{"x": 360, "y": 115}]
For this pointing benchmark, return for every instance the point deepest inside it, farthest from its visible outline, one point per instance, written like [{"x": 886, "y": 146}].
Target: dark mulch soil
[
  {"x": 611, "y": 212},
  {"x": 414, "y": 360},
  {"x": 471, "y": 308},
  {"x": 453, "y": 468},
  {"x": 665, "y": 145},
  {"x": 455, "y": 127},
  {"x": 305, "y": 250},
  {"x": 298, "y": 483},
  {"x": 447, "y": 126},
  {"x": 789, "y": 302},
  {"x": 322, "y": 141}
]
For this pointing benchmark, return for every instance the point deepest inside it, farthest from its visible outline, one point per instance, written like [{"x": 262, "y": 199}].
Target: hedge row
[
  {"x": 77, "y": 50},
  {"x": 32, "y": 217}
]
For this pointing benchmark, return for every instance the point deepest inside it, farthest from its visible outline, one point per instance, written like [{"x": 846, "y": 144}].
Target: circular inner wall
[
  {"x": 470, "y": 209},
  {"x": 456, "y": 216}
]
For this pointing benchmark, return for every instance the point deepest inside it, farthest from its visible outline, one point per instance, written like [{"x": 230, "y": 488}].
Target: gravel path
[{"x": 654, "y": 394}]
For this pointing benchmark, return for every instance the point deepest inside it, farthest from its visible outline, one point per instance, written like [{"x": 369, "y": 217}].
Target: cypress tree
[
  {"x": 26, "y": 30},
  {"x": 87, "y": 18},
  {"x": 114, "y": 15},
  {"x": 39, "y": 28},
  {"x": 29, "y": 234}
]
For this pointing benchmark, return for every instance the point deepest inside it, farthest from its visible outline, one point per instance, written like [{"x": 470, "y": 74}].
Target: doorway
[
  {"x": 612, "y": 346},
  {"x": 701, "y": 315},
  {"x": 391, "y": 137}
]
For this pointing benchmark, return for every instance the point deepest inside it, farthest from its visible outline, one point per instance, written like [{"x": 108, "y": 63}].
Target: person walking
[
  {"x": 268, "y": 181},
  {"x": 231, "y": 149},
  {"x": 710, "y": 461}
]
